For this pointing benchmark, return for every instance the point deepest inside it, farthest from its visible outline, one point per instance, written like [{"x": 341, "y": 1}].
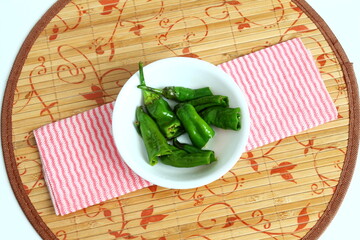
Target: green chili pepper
[
  {"x": 199, "y": 131},
  {"x": 209, "y": 101},
  {"x": 137, "y": 127},
  {"x": 155, "y": 143},
  {"x": 186, "y": 147},
  {"x": 160, "y": 110},
  {"x": 183, "y": 159},
  {"x": 179, "y": 94},
  {"x": 192, "y": 149},
  {"x": 226, "y": 118}
]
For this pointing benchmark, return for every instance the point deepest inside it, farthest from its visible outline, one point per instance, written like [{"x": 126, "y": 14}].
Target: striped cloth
[
  {"x": 285, "y": 92},
  {"x": 81, "y": 164}
]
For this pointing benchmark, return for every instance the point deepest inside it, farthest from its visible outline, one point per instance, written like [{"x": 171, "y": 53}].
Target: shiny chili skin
[
  {"x": 192, "y": 149},
  {"x": 226, "y": 118},
  {"x": 209, "y": 101},
  {"x": 159, "y": 109},
  {"x": 199, "y": 131},
  {"x": 180, "y": 94},
  {"x": 155, "y": 143},
  {"x": 183, "y": 159}
]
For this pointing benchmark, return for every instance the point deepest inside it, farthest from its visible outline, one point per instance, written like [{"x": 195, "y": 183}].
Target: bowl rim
[{"x": 240, "y": 147}]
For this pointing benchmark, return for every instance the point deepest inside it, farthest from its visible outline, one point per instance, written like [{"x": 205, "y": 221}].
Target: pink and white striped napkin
[
  {"x": 285, "y": 92},
  {"x": 81, "y": 164}
]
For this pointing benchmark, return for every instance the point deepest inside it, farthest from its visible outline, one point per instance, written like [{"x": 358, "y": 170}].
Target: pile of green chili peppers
[{"x": 196, "y": 111}]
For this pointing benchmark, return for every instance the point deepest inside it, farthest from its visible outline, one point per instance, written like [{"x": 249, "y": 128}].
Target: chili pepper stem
[
  {"x": 160, "y": 110},
  {"x": 144, "y": 87},
  {"x": 141, "y": 72}
]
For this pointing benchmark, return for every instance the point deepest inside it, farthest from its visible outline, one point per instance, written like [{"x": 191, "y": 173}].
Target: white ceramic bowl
[{"x": 187, "y": 72}]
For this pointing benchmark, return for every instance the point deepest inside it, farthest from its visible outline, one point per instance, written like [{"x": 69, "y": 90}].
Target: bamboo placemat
[{"x": 79, "y": 56}]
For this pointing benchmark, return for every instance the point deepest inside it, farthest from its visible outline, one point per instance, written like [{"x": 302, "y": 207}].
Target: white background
[{"x": 19, "y": 16}]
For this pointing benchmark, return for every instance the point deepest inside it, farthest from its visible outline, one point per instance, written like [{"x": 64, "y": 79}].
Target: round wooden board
[{"x": 80, "y": 54}]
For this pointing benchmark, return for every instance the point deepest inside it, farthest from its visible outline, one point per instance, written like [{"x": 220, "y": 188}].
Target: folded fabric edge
[{"x": 46, "y": 178}]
